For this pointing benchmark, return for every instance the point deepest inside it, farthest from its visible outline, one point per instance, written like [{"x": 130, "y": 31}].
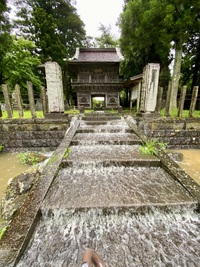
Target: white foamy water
[
  {"x": 131, "y": 216},
  {"x": 122, "y": 238}
]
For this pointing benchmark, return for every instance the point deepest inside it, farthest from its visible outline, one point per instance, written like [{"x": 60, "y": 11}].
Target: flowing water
[
  {"x": 9, "y": 168},
  {"x": 132, "y": 215},
  {"x": 123, "y": 238}
]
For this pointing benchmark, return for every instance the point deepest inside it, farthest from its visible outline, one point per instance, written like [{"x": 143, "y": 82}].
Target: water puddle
[
  {"x": 191, "y": 163},
  {"x": 9, "y": 168}
]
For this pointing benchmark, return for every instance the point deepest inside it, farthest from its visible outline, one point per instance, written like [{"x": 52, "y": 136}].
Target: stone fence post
[
  {"x": 31, "y": 99},
  {"x": 44, "y": 100},
  {"x": 167, "y": 105},
  {"x": 7, "y": 100},
  {"x": 193, "y": 100},
  {"x": 182, "y": 101},
  {"x": 159, "y": 100},
  {"x": 19, "y": 101}
]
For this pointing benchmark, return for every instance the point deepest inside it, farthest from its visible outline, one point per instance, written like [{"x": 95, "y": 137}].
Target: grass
[
  {"x": 30, "y": 158},
  {"x": 2, "y": 232},
  {"x": 39, "y": 114},
  {"x": 185, "y": 113},
  {"x": 1, "y": 147},
  {"x": 151, "y": 147},
  {"x": 27, "y": 114}
]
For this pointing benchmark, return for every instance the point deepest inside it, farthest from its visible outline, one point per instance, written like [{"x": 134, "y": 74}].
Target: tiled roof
[{"x": 97, "y": 55}]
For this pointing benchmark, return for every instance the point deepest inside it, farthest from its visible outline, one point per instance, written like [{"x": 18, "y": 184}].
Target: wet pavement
[{"x": 110, "y": 197}]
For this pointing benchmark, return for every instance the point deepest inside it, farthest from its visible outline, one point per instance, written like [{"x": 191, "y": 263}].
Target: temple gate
[{"x": 95, "y": 73}]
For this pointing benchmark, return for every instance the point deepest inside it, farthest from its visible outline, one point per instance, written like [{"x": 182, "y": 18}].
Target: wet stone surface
[
  {"x": 123, "y": 239},
  {"x": 97, "y": 153},
  {"x": 105, "y": 138},
  {"x": 89, "y": 186},
  {"x": 132, "y": 216}
]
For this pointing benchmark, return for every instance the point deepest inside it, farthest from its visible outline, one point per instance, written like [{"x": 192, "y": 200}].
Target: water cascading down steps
[{"x": 109, "y": 197}]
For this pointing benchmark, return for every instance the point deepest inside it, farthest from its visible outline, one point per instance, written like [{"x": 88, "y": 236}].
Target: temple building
[{"x": 95, "y": 73}]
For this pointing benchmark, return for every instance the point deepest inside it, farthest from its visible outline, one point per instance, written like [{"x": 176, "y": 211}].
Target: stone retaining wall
[
  {"x": 37, "y": 134},
  {"x": 32, "y": 134},
  {"x": 177, "y": 133}
]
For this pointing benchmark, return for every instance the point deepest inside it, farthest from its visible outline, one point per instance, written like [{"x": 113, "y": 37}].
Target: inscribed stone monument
[
  {"x": 54, "y": 87},
  {"x": 149, "y": 90}
]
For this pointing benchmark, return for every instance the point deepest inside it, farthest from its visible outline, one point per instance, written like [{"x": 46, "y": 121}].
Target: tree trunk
[{"x": 176, "y": 74}]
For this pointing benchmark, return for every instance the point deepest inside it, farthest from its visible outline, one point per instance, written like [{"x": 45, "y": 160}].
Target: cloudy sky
[{"x": 94, "y": 12}]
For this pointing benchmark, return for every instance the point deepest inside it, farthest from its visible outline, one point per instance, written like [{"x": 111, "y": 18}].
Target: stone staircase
[{"x": 110, "y": 197}]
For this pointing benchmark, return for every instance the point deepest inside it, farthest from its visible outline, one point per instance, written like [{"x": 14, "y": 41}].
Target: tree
[
  {"x": 143, "y": 37},
  {"x": 179, "y": 22},
  {"x": 53, "y": 25},
  {"x": 20, "y": 64},
  {"x": 5, "y": 39},
  {"x": 106, "y": 39},
  {"x": 155, "y": 27},
  {"x": 55, "y": 28}
]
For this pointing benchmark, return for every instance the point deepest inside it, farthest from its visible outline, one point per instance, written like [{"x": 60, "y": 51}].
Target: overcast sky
[{"x": 94, "y": 12}]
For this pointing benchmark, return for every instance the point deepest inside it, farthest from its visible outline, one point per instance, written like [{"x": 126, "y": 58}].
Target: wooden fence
[{"x": 18, "y": 102}]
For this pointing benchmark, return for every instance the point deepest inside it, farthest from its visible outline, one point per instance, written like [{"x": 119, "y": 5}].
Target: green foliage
[
  {"x": 1, "y": 147},
  {"x": 185, "y": 114},
  {"x": 19, "y": 64},
  {"x": 26, "y": 113},
  {"x": 30, "y": 158},
  {"x": 144, "y": 38},
  {"x": 96, "y": 103},
  {"x": 2, "y": 232},
  {"x": 151, "y": 147},
  {"x": 5, "y": 39},
  {"x": 54, "y": 26},
  {"x": 106, "y": 39},
  {"x": 66, "y": 153},
  {"x": 151, "y": 28}
]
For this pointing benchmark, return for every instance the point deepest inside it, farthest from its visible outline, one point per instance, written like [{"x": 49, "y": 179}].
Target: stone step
[
  {"x": 100, "y": 118},
  {"x": 105, "y": 138},
  {"x": 121, "y": 237},
  {"x": 99, "y": 129},
  {"x": 98, "y": 153},
  {"x": 102, "y": 187},
  {"x": 111, "y": 163},
  {"x": 118, "y": 122}
]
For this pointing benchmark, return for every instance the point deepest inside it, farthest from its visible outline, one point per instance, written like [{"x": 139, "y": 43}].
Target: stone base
[
  {"x": 147, "y": 114},
  {"x": 56, "y": 115}
]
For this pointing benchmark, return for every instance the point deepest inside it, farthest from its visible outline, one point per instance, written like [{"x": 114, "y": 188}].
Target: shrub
[
  {"x": 151, "y": 147},
  {"x": 30, "y": 158},
  {"x": 1, "y": 147}
]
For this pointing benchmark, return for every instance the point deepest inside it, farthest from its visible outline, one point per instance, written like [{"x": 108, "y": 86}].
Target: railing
[
  {"x": 89, "y": 257},
  {"x": 97, "y": 80}
]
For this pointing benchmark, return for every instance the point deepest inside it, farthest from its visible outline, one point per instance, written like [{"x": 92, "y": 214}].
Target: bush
[
  {"x": 151, "y": 147},
  {"x": 30, "y": 158},
  {"x": 1, "y": 147}
]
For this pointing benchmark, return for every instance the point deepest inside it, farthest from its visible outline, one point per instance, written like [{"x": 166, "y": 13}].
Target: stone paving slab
[
  {"x": 109, "y": 123},
  {"x": 100, "y": 129},
  {"x": 98, "y": 153},
  {"x": 105, "y": 138},
  {"x": 115, "y": 187}
]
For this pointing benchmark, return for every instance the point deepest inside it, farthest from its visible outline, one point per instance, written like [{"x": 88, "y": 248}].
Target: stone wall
[
  {"x": 32, "y": 134},
  {"x": 177, "y": 133}
]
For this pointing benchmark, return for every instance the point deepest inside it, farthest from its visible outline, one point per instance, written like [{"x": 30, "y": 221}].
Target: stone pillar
[
  {"x": 149, "y": 89},
  {"x": 54, "y": 87}
]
